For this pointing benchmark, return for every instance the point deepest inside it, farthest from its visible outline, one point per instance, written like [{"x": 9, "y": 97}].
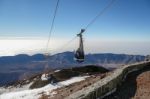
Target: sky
[{"x": 123, "y": 28}]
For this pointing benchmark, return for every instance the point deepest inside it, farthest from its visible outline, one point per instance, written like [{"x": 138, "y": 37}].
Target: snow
[
  {"x": 56, "y": 71},
  {"x": 28, "y": 94},
  {"x": 74, "y": 79},
  {"x": 45, "y": 77},
  {"x": 12, "y": 88},
  {"x": 36, "y": 93}
]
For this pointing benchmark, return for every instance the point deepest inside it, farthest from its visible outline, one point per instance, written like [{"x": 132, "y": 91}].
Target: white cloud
[{"x": 32, "y": 46}]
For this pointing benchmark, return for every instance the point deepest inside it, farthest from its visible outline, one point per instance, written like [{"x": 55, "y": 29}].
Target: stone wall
[{"x": 108, "y": 84}]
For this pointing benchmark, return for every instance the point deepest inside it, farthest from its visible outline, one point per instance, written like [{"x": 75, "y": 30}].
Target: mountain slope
[
  {"x": 21, "y": 66},
  {"x": 46, "y": 82}
]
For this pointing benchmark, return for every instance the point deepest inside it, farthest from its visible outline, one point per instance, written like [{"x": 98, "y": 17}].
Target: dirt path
[{"x": 136, "y": 86}]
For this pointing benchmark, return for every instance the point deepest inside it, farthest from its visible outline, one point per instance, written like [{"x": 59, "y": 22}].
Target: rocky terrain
[
  {"x": 63, "y": 92},
  {"x": 50, "y": 82},
  {"x": 59, "y": 84},
  {"x": 135, "y": 86}
]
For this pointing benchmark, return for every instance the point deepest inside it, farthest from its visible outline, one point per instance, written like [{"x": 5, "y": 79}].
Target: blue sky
[{"x": 126, "y": 21}]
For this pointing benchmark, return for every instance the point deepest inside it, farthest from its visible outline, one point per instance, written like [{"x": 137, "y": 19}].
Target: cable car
[{"x": 79, "y": 53}]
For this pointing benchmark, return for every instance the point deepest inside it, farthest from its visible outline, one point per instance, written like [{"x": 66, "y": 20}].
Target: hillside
[{"x": 35, "y": 86}]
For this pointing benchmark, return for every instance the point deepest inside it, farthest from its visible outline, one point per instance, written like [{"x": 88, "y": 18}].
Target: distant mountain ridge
[
  {"x": 67, "y": 58},
  {"x": 20, "y": 66},
  {"x": 108, "y": 60},
  {"x": 21, "y": 58}
]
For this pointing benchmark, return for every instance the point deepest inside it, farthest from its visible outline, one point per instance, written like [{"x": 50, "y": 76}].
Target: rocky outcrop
[{"x": 107, "y": 85}]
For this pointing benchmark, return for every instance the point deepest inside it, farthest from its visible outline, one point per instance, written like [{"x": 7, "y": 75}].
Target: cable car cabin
[{"x": 79, "y": 54}]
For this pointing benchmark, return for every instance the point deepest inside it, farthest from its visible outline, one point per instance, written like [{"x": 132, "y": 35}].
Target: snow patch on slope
[
  {"x": 14, "y": 89},
  {"x": 56, "y": 71},
  {"x": 45, "y": 77},
  {"x": 36, "y": 93}
]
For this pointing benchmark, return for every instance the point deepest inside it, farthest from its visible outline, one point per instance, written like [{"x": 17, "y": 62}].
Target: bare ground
[{"x": 136, "y": 86}]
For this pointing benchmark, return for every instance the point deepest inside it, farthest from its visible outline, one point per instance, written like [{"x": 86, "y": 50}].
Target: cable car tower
[{"x": 79, "y": 54}]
